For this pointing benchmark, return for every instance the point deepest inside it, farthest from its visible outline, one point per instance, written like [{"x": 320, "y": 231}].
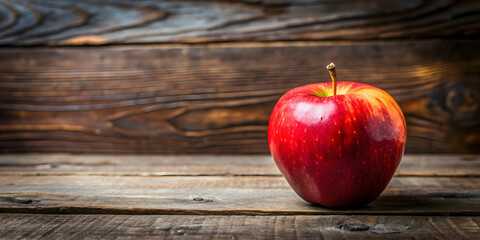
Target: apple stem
[{"x": 333, "y": 75}]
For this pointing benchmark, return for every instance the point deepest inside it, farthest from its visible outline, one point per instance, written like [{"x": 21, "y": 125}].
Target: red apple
[{"x": 337, "y": 149}]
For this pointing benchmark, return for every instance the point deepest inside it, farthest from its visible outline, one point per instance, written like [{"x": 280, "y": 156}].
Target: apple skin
[{"x": 340, "y": 150}]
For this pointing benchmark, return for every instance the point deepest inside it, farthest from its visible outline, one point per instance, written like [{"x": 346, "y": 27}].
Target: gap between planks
[
  {"x": 243, "y": 44},
  {"x": 221, "y": 212},
  {"x": 119, "y": 174}
]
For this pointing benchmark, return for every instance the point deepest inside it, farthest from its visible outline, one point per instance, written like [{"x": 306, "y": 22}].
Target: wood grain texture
[
  {"x": 207, "y": 195},
  {"x": 21, "y": 226},
  {"x": 207, "y": 165},
  {"x": 110, "y": 197},
  {"x": 218, "y": 98},
  {"x": 53, "y": 22}
]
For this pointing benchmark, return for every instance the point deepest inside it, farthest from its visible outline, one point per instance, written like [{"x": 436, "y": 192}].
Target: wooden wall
[{"x": 203, "y": 76}]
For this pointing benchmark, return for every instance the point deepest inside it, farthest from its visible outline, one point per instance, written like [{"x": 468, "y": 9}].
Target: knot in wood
[
  {"x": 203, "y": 199},
  {"x": 21, "y": 200},
  {"x": 462, "y": 100},
  {"x": 354, "y": 227}
]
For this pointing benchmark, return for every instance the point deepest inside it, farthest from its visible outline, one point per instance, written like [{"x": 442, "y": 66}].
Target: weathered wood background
[{"x": 203, "y": 76}]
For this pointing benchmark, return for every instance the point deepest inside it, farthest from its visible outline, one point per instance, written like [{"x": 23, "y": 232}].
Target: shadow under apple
[{"x": 432, "y": 204}]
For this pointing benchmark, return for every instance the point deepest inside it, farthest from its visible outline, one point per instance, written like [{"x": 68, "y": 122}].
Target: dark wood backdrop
[{"x": 203, "y": 76}]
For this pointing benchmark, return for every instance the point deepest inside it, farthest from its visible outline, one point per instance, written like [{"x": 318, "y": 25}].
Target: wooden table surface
[{"x": 235, "y": 197}]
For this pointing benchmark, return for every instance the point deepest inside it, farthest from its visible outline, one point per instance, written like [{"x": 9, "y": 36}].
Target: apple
[{"x": 339, "y": 144}]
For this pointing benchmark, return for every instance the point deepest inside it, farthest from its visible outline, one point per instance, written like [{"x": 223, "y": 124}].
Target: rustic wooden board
[
  {"x": 34, "y": 22},
  {"x": 249, "y": 195},
  {"x": 21, "y": 226},
  {"x": 206, "y": 165},
  {"x": 218, "y": 98},
  {"x": 224, "y": 205}
]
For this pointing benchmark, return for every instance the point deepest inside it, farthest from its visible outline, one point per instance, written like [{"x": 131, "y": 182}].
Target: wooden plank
[
  {"x": 21, "y": 226},
  {"x": 206, "y": 165},
  {"x": 34, "y": 22},
  {"x": 218, "y": 98},
  {"x": 248, "y": 195}
]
